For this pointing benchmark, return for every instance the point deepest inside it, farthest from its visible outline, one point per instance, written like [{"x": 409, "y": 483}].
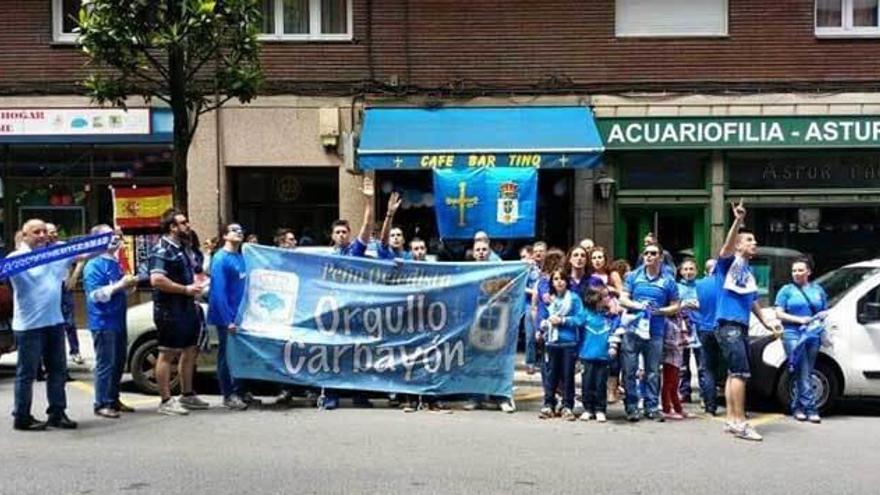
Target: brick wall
[{"x": 493, "y": 45}]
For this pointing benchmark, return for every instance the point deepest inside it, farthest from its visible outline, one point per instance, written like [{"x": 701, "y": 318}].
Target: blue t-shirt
[
  {"x": 792, "y": 301},
  {"x": 170, "y": 259},
  {"x": 707, "y": 296},
  {"x": 734, "y": 306},
  {"x": 104, "y": 316},
  {"x": 37, "y": 294},
  {"x": 596, "y": 332},
  {"x": 384, "y": 252},
  {"x": 659, "y": 291},
  {"x": 543, "y": 288},
  {"x": 579, "y": 286},
  {"x": 355, "y": 248},
  {"x": 227, "y": 287}
]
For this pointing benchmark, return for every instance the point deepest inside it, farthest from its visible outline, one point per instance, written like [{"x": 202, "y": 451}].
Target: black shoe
[
  {"x": 712, "y": 412},
  {"x": 632, "y": 417},
  {"x": 29, "y": 424},
  {"x": 61, "y": 421}
]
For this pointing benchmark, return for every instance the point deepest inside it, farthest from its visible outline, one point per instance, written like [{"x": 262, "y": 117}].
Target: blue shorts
[{"x": 733, "y": 339}]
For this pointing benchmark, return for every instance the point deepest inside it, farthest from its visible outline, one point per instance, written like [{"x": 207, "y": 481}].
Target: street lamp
[{"x": 605, "y": 185}]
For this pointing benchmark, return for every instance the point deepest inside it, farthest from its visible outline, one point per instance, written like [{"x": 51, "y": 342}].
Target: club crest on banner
[
  {"x": 508, "y": 203},
  {"x": 271, "y": 301}
]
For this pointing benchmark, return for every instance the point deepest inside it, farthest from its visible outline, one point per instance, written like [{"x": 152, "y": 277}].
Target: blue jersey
[
  {"x": 110, "y": 315},
  {"x": 658, "y": 291},
  {"x": 596, "y": 331},
  {"x": 227, "y": 287},
  {"x": 707, "y": 297},
  {"x": 737, "y": 291},
  {"x": 791, "y": 300}
]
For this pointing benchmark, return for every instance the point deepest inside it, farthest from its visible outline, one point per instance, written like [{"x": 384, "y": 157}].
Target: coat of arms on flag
[{"x": 508, "y": 203}]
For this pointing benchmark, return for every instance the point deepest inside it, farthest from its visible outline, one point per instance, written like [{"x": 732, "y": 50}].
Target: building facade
[{"x": 285, "y": 158}]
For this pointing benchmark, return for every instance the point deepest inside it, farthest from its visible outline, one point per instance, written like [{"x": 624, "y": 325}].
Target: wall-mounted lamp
[{"x": 606, "y": 186}]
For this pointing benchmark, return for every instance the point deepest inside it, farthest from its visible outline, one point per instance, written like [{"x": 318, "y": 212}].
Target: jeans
[
  {"x": 684, "y": 386},
  {"x": 72, "y": 338},
  {"x": 707, "y": 360},
  {"x": 531, "y": 344},
  {"x": 651, "y": 351},
  {"x": 110, "y": 346},
  {"x": 228, "y": 385},
  {"x": 803, "y": 395},
  {"x": 560, "y": 362},
  {"x": 47, "y": 344},
  {"x": 594, "y": 382}
]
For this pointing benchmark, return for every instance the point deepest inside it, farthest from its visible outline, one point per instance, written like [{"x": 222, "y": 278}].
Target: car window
[
  {"x": 837, "y": 283},
  {"x": 869, "y": 307}
]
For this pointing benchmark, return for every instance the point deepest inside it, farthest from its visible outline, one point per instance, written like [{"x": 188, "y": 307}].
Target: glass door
[{"x": 680, "y": 230}]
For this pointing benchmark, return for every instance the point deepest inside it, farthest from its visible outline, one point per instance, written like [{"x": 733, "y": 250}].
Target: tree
[{"x": 195, "y": 55}]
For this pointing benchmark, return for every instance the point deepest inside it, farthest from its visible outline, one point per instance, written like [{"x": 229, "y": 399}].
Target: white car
[{"x": 848, "y": 364}]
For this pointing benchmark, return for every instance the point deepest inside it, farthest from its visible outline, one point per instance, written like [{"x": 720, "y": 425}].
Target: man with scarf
[{"x": 737, "y": 297}]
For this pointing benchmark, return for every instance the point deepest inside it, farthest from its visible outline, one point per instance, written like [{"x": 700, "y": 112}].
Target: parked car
[
  {"x": 849, "y": 364},
  {"x": 143, "y": 350}
]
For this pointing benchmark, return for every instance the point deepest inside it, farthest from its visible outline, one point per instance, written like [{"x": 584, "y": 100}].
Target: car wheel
[
  {"x": 143, "y": 368},
  {"x": 826, "y": 386}
]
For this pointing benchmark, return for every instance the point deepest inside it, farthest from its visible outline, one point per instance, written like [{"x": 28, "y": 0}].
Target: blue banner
[
  {"x": 13, "y": 265},
  {"x": 363, "y": 324},
  {"x": 501, "y": 202}
]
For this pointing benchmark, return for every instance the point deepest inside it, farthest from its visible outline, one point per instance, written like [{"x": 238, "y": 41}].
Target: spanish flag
[{"x": 141, "y": 207}]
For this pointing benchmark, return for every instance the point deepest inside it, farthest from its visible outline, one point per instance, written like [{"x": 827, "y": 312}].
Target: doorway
[{"x": 681, "y": 230}]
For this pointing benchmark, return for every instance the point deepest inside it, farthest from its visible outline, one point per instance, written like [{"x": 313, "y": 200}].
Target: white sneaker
[
  {"x": 585, "y": 416},
  {"x": 235, "y": 403},
  {"x": 745, "y": 431},
  {"x": 508, "y": 406},
  {"x": 172, "y": 407},
  {"x": 193, "y": 402},
  {"x": 600, "y": 417}
]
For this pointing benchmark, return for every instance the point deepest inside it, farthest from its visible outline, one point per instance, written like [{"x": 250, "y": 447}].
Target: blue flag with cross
[{"x": 499, "y": 201}]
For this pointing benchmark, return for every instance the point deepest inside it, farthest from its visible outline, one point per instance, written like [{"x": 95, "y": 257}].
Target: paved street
[{"x": 301, "y": 450}]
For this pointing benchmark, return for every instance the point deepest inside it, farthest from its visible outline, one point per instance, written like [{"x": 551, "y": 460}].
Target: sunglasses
[{"x": 652, "y": 253}]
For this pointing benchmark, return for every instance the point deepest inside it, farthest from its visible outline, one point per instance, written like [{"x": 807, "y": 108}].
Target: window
[
  {"x": 868, "y": 310},
  {"x": 847, "y": 18},
  {"x": 306, "y": 20},
  {"x": 670, "y": 18},
  {"x": 65, "y": 15}
]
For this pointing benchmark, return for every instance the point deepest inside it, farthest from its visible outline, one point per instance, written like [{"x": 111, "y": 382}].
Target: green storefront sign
[{"x": 740, "y": 132}]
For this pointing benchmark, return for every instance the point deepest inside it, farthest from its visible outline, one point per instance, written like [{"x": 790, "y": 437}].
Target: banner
[
  {"x": 500, "y": 202},
  {"x": 12, "y": 265},
  {"x": 141, "y": 207},
  {"x": 363, "y": 324}
]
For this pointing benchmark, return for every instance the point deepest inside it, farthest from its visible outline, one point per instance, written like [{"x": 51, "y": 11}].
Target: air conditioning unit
[{"x": 328, "y": 126}]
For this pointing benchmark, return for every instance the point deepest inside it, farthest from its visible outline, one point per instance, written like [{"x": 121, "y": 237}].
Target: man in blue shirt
[
  {"x": 38, "y": 325},
  {"x": 652, "y": 289},
  {"x": 343, "y": 246},
  {"x": 710, "y": 354},
  {"x": 392, "y": 244},
  {"x": 227, "y": 290},
  {"x": 737, "y": 298},
  {"x": 105, "y": 286}
]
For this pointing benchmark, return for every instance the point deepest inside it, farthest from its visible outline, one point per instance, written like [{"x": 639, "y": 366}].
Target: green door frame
[{"x": 698, "y": 213}]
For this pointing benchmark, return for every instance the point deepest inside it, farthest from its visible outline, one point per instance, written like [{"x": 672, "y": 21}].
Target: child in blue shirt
[
  {"x": 596, "y": 350},
  {"x": 559, "y": 331}
]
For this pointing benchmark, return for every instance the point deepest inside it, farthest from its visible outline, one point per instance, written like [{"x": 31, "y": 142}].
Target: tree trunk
[{"x": 180, "y": 173}]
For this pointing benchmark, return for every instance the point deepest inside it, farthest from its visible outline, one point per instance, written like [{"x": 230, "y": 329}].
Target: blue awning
[{"x": 461, "y": 137}]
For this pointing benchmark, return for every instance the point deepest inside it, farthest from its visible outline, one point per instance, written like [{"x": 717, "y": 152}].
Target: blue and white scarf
[
  {"x": 13, "y": 265},
  {"x": 739, "y": 278}
]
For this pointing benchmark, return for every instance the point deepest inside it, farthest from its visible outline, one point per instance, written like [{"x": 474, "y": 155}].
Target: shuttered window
[{"x": 670, "y": 18}]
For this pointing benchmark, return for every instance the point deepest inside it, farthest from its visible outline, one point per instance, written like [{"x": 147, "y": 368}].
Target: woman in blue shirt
[{"x": 796, "y": 304}]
